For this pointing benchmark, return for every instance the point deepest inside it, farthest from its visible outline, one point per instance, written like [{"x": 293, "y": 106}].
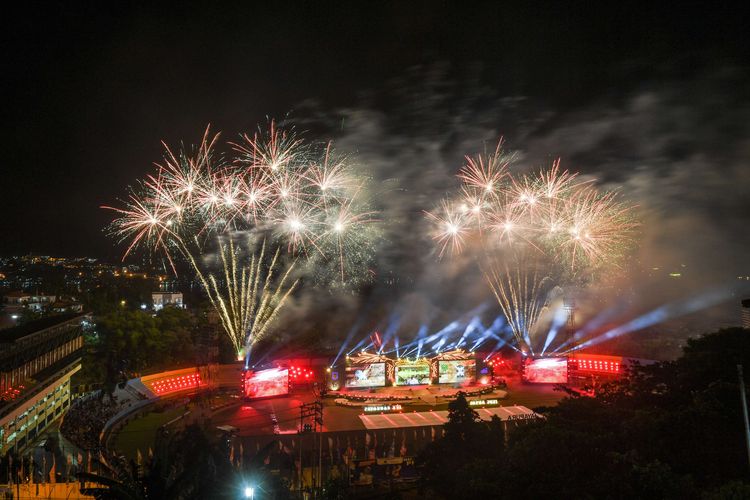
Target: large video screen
[
  {"x": 267, "y": 383},
  {"x": 413, "y": 374},
  {"x": 457, "y": 371},
  {"x": 546, "y": 371},
  {"x": 372, "y": 375}
]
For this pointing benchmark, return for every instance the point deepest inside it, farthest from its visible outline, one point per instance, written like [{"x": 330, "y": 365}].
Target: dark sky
[{"x": 89, "y": 90}]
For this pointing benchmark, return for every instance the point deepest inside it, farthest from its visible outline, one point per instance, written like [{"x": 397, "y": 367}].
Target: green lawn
[{"x": 141, "y": 432}]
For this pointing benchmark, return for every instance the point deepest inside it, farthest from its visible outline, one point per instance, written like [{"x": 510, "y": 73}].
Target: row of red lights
[
  {"x": 597, "y": 365},
  {"x": 176, "y": 383}
]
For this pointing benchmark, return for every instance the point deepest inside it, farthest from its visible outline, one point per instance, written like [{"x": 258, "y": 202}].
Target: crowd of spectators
[{"x": 84, "y": 421}]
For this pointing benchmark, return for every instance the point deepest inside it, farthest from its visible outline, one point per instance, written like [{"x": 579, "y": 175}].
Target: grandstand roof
[{"x": 9, "y": 335}]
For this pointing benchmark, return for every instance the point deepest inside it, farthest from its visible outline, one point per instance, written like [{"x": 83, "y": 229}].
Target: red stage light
[
  {"x": 296, "y": 373},
  {"x": 175, "y": 384},
  {"x": 598, "y": 365}
]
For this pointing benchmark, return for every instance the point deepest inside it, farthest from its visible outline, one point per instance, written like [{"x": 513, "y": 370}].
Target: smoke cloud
[{"x": 678, "y": 149}]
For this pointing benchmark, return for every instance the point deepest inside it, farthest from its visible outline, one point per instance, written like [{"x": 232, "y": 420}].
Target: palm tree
[{"x": 185, "y": 465}]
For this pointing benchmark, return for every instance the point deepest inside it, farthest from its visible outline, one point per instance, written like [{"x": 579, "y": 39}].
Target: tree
[
  {"x": 28, "y": 315},
  {"x": 128, "y": 342},
  {"x": 186, "y": 465},
  {"x": 189, "y": 464},
  {"x": 461, "y": 417},
  {"x": 668, "y": 430},
  {"x": 178, "y": 332},
  {"x": 467, "y": 440}
]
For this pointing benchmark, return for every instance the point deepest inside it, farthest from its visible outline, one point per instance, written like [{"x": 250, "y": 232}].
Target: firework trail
[
  {"x": 248, "y": 300},
  {"x": 299, "y": 197},
  {"x": 529, "y": 232},
  {"x": 520, "y": 293}
]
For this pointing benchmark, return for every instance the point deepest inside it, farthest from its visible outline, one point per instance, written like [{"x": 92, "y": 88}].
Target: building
[
  {"x": 746, "y": 313},
  {"x": 15, "y": 301},
  {"x": 36, "y": 362},
  {"x": 66, "y": 306},
  {"x": 166, "y": 299}
]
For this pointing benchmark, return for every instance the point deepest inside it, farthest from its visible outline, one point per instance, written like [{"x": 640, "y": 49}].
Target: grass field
[{"x": 141, "y": 432}]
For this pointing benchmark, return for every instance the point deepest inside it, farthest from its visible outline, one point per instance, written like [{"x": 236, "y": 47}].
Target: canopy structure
[
  {"x": 455, "y": 354},
  {"x": 366, "y": 358},
  {"x": 428, "y": 418}
]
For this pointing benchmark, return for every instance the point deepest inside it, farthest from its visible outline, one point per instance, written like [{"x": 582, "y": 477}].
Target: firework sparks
[
  {"x": 548, "y": 217},
  {"x": 244, "y": 294},
  {"x": 549, "y": 211},
  {"x": 141, "y": 223},
  {"x": 449, "y": 227},
  {"x": 298, "y": 196},
  {"x": 518, "y": 290},
  {"x": 485, "y": 174}
]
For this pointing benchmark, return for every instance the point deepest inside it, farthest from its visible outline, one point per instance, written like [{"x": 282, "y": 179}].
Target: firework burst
[
  {"x": 450, "y": 226},
  {"x": 297, "y": 196},
  {"x": 530, "y": 229},
  {"x": 486, "y": 174}
]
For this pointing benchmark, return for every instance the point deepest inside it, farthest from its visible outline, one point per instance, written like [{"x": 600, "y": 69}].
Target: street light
[{"x": 249, "y": 492}]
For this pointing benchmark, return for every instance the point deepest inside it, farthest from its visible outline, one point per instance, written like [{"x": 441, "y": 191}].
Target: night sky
[{"x": 89, "y": 90}]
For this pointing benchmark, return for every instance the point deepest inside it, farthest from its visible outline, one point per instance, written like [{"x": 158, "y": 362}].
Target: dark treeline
[{"x": 670, "y": 430}]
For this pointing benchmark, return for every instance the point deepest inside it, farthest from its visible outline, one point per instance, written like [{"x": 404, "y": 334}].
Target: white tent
[{"x": 426, "y": 418}]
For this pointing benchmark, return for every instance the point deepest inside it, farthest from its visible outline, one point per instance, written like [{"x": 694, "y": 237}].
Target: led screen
[
  {"x": 452, "y": 372},
  {"x": 413, "y": 374},
  {"x": 266, "y": 383},
  {"x": 372, "y": 375},
  {"x": 334, "y": 384},
  {"x": 546, "y": 371}
]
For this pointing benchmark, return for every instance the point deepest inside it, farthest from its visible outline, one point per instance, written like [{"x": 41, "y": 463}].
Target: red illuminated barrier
[
  {"x": 175, "y": 384},
  {"x": 597, "y": 365}
]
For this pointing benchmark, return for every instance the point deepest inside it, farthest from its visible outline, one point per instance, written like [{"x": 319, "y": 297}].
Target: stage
[{"x": 256, "y": 417}]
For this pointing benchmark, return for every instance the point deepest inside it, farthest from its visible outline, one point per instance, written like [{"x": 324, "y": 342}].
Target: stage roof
[{"x": 426, "y": 418}]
